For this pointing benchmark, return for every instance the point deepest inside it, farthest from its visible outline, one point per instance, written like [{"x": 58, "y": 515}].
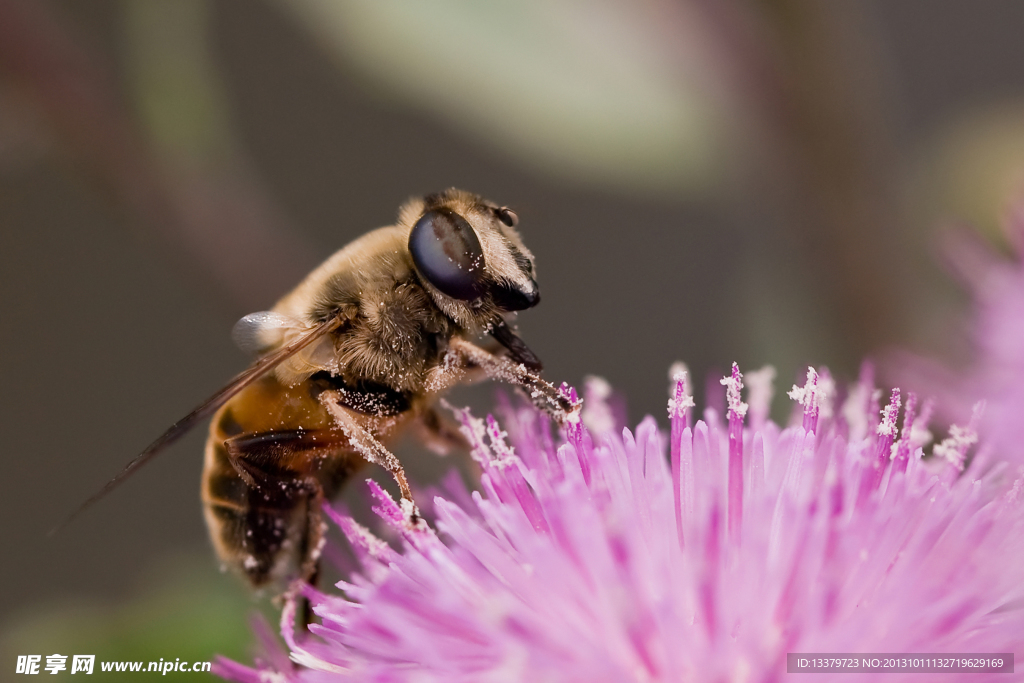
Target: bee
[{"x": 359, "y": 351}]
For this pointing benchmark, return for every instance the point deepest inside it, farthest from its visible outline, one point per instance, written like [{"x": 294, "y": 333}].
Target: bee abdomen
[
  {"x": 254, "y": 541},
  {"x": 250, "y": 531},
  {"x": 267, "y": 525}
]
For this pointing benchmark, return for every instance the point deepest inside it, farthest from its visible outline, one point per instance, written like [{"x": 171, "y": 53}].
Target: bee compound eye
[{"x": 447, "y": 253}]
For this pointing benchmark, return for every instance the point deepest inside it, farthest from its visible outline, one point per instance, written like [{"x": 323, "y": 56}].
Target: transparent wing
[
  {"x": 208, "y": 407},
  {"x": 258, "y": 333}
]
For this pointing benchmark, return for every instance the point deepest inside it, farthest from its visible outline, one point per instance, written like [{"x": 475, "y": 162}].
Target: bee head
[{"x": 469, "y": 254}]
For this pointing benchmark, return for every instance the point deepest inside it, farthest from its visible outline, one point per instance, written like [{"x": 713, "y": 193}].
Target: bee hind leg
[{"x": 285, "y": 472}]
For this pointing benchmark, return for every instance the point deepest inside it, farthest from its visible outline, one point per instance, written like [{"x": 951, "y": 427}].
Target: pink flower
[
  {"x": 997, "y": 334},
  {"x": 704, "y": 554},
  {"x": 999, "y": 339}
]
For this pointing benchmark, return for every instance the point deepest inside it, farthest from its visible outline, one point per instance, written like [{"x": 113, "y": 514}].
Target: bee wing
[
  {"x": 210, "y": 406},
  {"x": 257, "y": 333}
]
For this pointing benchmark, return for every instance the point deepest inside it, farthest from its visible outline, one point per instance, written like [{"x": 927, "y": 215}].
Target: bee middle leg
[
  {"x": 363, "y": 441},
  {"x": 439, "y": 434}
]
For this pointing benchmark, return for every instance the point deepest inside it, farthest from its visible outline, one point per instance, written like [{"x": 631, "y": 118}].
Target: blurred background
[{"x": 761, "y": 182}]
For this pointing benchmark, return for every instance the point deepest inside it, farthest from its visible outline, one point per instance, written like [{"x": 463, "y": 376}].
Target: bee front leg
[
  {"x": 464, "y": 355},
  {"x": 365, "y": 443}
]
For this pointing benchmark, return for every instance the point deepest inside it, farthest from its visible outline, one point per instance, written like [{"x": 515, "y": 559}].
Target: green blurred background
[{"x": 700, "y": 180}]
